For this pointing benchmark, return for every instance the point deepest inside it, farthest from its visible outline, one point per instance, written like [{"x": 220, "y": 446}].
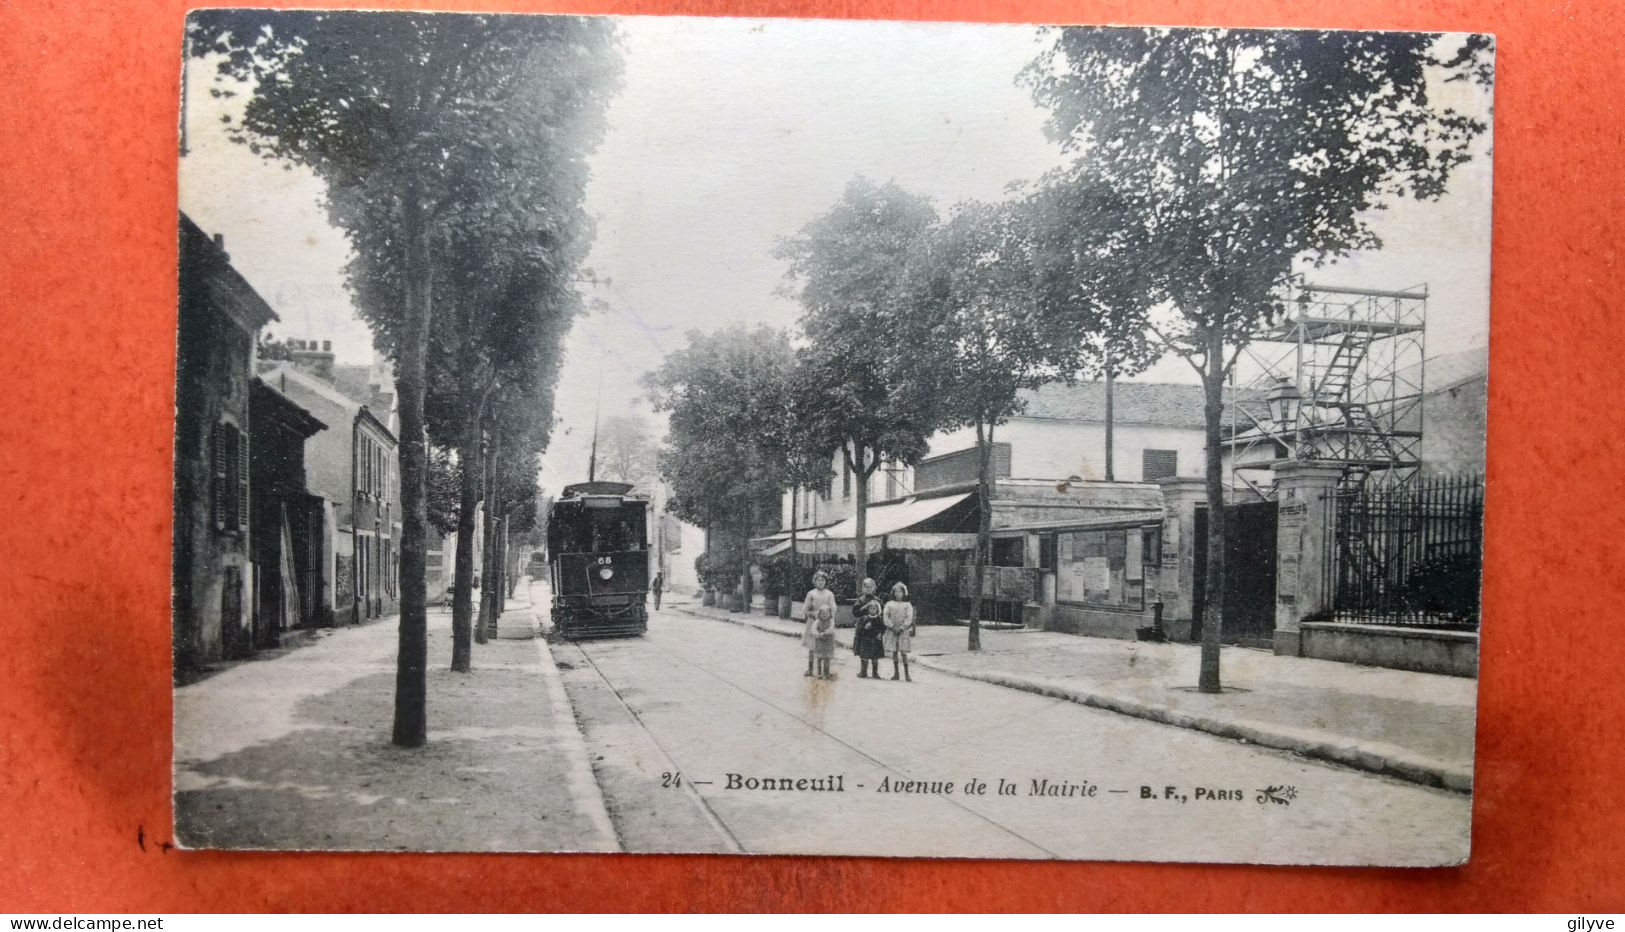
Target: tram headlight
[{"x": 606, "y": 572}]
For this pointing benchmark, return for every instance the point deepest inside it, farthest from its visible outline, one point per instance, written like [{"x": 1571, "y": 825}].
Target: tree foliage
[
  {"x": 428, "y": 131},
  {"x": 724, "y": 395},
  {"x": 874, "y": 398},
  {"x": 626, "y": 450},
  {"x": 1221, "y": 159},
  {"x": 970, "y": 319}
]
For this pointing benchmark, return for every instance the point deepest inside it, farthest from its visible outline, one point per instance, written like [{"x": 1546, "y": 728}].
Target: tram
[{"x": 598, "y": 560}]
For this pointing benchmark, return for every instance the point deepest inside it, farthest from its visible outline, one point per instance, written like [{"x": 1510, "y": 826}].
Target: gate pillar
[
  {"x": 1176, "y": 576},
  {"x": 1306, "y": 519}
]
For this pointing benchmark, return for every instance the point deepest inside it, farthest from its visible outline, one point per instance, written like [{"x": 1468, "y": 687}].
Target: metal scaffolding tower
[{"x": 1348, "y": 363}]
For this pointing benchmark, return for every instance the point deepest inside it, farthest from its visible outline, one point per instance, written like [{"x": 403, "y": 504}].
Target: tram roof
[{"x": 584, "y": 489}]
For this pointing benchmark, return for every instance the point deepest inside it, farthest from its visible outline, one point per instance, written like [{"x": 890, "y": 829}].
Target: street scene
[{"x": 786, "y": 437}]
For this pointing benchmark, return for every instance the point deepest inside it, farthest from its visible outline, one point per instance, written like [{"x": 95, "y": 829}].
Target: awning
[
  {"x": 931, "y": 542},
  {"x": 805, "y": 533},
  {"x": 776, "y": 549},
  {"x": 888, "y": 519}
]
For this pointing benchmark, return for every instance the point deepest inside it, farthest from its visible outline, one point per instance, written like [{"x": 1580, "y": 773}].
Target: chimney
[{"x": 318, "y": 362}]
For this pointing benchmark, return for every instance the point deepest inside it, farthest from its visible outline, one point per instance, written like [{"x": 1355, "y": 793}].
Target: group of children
[{"x": 882, "y": 628}]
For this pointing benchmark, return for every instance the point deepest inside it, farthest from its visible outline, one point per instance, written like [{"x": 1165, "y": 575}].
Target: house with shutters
[
  {"x": 213, "y": 581},
  {"x": 351, "y": 466}
]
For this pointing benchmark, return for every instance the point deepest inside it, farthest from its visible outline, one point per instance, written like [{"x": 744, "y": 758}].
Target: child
[
  {"x": 824, "y": 642},
  {"x": 869, "y": 634},
  {"x": 899, "y": 619},
  {"x": 819, "y": 601}
]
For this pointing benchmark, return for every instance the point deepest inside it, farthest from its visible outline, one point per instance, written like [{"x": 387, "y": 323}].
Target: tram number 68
[{"x": 670, "y": 780}]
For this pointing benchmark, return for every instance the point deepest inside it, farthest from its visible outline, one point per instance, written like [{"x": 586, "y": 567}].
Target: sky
[{"x": 730, "y": 134}]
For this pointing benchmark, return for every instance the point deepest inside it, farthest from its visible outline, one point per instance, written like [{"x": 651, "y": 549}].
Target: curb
[
  {"x": 1387, "y": 759},
  {"x": 583, "y": 788}
]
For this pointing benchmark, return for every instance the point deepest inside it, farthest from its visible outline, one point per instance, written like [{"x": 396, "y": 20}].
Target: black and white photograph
[{"x": 807, "y": 437}]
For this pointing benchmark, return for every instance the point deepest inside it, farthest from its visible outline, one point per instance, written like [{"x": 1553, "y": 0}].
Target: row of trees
[
  {"x": 453, "y": 150},
  {"x": 1209, "y": 167}
]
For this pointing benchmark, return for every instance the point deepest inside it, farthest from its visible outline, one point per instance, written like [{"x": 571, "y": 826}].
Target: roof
[
  {"x": 1157, "y": 404},
  {"x": 285, "y": 409},
  {"x": 898, "y": 516},
  {"x": 354, "y": 381},
  {"x": 206, "y": 272}
]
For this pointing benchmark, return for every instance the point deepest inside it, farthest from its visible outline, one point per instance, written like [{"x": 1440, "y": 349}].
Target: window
[
  {"x": 1046, "y": 553},
  {"x": 1158, "y": 464},
  {"x": 846, "y": 480},
  {"x": 1009, "y": 551},
  {"x": 1105, "y": 568},
  {"x": 229, "y": 456}
]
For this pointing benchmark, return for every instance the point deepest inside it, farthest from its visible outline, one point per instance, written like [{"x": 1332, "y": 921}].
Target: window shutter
[
  {"x": 242, "y": 480},
  {"x": 1158, "y": 464},
  {"x": 218, "y": 453}
]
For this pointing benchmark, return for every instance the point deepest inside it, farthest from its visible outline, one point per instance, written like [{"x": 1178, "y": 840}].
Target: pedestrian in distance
[
  {"x": 899, "y": 619},
  {"x": 655, "y": 588},
  {"x": 868, "y": 633},
  {"x": 820, "y": 605}
]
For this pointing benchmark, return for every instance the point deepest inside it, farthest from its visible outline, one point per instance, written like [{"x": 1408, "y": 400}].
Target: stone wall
[{"x": 1422, "y": 650}]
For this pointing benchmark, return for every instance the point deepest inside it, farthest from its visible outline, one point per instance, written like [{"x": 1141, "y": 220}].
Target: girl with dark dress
[{"x": 869, "y": 633}]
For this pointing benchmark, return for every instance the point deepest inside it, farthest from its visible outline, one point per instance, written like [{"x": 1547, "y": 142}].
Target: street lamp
[{"x": 1283, "y": 400}]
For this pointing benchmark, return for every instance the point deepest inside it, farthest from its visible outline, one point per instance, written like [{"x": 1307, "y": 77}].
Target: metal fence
[{"x": 1410, "y": 556}]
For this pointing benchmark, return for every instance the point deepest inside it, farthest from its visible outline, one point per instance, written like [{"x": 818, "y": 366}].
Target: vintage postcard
[{"x": 660, "y": 434}]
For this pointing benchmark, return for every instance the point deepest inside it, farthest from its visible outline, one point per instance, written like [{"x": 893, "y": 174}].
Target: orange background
[{"x": 88, "y": 101}]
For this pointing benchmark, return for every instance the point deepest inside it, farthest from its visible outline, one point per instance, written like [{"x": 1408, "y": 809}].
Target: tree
[
  {"x": 423, "y": 128},
  {"x": 846, "y": 268},
  {"x": 509, "y": 303},
  {"x": 626, "y": 449},
  {"x": 1086, "y": 248},
  {"x": 1239, "y": 154},
  {"x": 805, "y": 463},
  {"x": 969, "y": 311},
  {"x": 443, "y": 484},
  {"x": 723, "y": 395}
]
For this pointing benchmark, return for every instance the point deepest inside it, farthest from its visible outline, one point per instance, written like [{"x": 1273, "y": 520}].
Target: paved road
[{"x": 704, "y": 699}]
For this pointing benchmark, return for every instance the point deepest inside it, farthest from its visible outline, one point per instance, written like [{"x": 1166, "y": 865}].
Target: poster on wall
[{"x": 575, "y": 279}]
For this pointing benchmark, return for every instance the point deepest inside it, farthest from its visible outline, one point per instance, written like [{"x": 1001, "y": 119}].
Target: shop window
[
  {"x": 1105, "y": 568},
  {"x": 1008, "y": 551}
]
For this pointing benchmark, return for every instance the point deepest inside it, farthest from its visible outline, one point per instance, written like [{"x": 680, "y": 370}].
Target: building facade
[
  {"x": 290, "y": 523},
  {"x": 352, "y": 466},
  {"x": 1060, "y": 436},
  {"x": 213, "y": 581}
]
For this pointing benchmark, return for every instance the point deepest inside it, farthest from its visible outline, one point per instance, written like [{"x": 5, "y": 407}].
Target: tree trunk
[
  {"x": 462, "y": 602},
  {"x": 795, "y": 517},
  {"x": 984, "y": 529},
  {"x": 1213, "y": 610},
  {"x": 748, "y": 584},
  {"x": 1111, "y": 473},
  {"x": 411, "y": 725},
  {"x": 860, "y": 540},
  {"x": 487, "y": 620},
  {"x": 506, "y": 575}
]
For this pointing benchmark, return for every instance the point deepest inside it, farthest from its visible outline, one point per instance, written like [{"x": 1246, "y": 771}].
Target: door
[{"x": 1249, "y": 571}]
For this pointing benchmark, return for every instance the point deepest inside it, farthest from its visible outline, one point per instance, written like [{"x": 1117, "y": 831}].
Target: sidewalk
[
  {"x": 1416, "y": 726},
  {"x": 294, "y": 752}
]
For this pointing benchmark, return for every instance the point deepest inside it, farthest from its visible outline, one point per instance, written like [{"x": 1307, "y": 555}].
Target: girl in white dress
[
  {"x": 820, "y": 605},
  {"x": 899, "y": 618}
]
